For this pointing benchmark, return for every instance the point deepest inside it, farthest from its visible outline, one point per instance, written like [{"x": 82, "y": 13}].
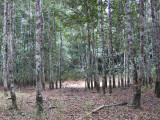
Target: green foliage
[{"x": 73, "y": 75}]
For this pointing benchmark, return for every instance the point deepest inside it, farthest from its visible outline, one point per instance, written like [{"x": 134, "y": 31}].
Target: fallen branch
[
  {"x": 101, "y": 107},
  {"x": 52, "y": 107}
]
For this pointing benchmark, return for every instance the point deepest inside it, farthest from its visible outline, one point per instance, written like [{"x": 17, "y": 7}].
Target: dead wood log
[{"x": 101, "y": 107}]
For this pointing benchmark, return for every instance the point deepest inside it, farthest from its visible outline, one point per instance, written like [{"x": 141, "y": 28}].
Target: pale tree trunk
[
  {"x": 4, "y": 51},
  {"x": 39, "y": 98},
  {"x": 137, "y": 91},
  {"x": 10, "y": 58},
  {"x": 103, "y": 52}
]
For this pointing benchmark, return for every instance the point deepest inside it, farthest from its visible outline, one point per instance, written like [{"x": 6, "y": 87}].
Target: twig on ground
[{"x": 101, "y": 107}]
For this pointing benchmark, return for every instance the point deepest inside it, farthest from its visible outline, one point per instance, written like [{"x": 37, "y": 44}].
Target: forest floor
[{"x": 71, "y": 103}]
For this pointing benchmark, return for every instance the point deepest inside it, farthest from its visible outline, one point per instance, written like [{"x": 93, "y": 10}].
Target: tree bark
[
  {"x": 121, "y": 45},
  {"x": 137, "y": 91},
  {"x": 148, "y": 58},
  {"x": 103, "y": 52},
  {"x": 39, "y": 98},
  {"x": 111, "y": 64},
  {"x": 60, "y": 59},
  {"x": 55, "y": 44},
  {"x": 4, "y": 51},
  {"x": 50, "y": 55},
  {"x": 10, "y": 58},
  {"x": 156, "y": 44}
]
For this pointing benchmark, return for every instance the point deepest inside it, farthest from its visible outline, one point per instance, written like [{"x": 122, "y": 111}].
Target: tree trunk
[
  {"x": 103, "y": 52},
  {"x": 141, "y": 77},
  {"x": 43, "y": 57},
  {"x": 39, "y": 98},
  {"x": 156, "y": 44},
  {"x": 148, "y": 58},
  {"x": 60, "y": 59},
  {"x": 95, "y": 64},
  {"x": 50, "y": 55},
  {"x": 55, "y": 44},
  {"x": 10, "y": 58},
  {"x": 137, "y": 91},
  {"x": 121, "y": 45},
  {"x": 111, "y": 64},
  {"x": 4, "y": 51}
]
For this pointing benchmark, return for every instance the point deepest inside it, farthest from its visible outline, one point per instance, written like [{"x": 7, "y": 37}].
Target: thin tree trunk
[
  {"x": 43, "y": 57},
  {"x": 10, "y": 58},
  {"x": 89, "y": 58},
  {"x": 50, "y": 56},
  {"x": 95, "y": 64},
  {"x": 111, "y": 64},
  {"x": 60, "y": 59},
  {"x": 148, "y": 67},
  {"x": 121, "y": 45},
  {"x": 55, "y": 44},
  {"x": 4, "y": 51}
]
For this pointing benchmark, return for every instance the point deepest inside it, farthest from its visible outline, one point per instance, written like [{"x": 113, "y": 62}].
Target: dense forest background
[{"x": 107, "y": 43}]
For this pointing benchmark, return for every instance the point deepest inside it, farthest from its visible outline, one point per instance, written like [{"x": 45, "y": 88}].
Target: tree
[
  {"x": 39, "y": 98},
  {"x": 104, "y": 80},
  {"x": 156, "y": 43},
  {"x": 137, "y": 91},
  {"x": 121, "y": 44},
  {"x": 110, "y": 49},
  {"x": 4, "y": 51},
  {"x": 141, "y": 57},
  {"x": 10, "y": 58}
]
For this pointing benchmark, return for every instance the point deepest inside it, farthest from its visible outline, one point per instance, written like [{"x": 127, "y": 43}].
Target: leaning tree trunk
[
  {"x": 137, "y": 91},
  {"x": 10, "y": 58},
  {"x": 4, "y": 51},
  {"x": 39, "y": 99}
]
